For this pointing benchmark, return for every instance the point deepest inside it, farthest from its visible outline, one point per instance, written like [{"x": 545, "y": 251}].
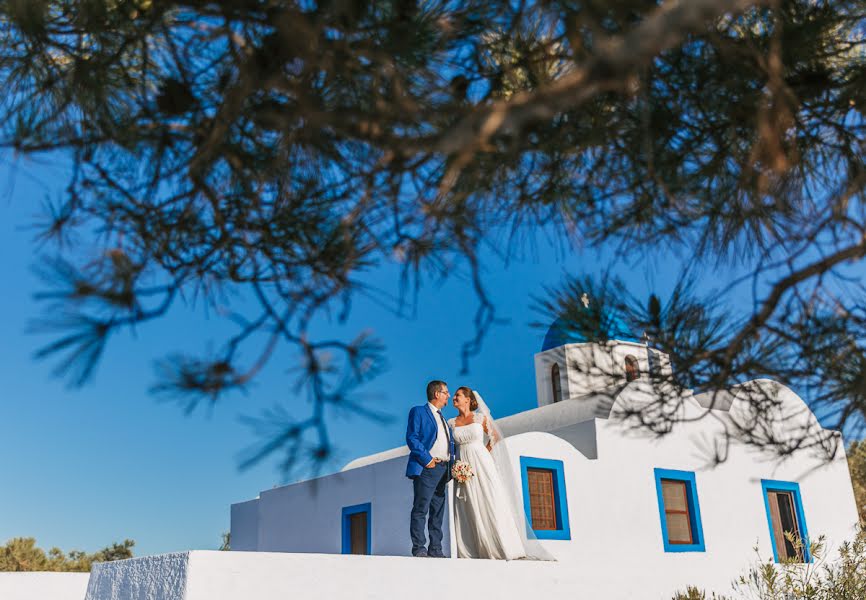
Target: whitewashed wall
[
  {"x": 307, "y": 517},
  {"x": 613, "y": 508},
  {"x": 245, "y": 525}
]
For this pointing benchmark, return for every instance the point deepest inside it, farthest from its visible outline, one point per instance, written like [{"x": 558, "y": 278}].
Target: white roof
[
  {"x": 544, "y": 418},
  {"x": 378, "y": 457},
  {"x": 598, "y": 405}
]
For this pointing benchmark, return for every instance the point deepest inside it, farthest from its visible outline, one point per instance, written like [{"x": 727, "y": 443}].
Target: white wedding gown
[{"x": 483, "y": 522}]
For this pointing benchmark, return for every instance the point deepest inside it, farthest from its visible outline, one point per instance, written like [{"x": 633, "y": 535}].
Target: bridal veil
[{"x": 508, "y": 474}]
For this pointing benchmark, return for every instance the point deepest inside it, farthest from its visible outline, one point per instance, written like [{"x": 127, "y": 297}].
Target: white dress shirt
[{"x": 440, "y": 446}]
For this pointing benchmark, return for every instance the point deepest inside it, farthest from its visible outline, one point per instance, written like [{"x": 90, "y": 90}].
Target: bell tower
[{"x": 574, "y": 363}]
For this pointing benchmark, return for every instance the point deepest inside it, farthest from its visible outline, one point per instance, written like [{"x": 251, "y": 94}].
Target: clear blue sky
[{"x": 83, "y": 468}]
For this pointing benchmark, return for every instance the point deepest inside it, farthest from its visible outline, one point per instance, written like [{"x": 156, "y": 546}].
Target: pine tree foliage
[{"x": 278, "y": 150}]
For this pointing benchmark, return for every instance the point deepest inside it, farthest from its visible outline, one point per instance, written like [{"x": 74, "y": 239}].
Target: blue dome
[
  {"x": 564, "y": 331},
  {"x": 557, "y": 336}
]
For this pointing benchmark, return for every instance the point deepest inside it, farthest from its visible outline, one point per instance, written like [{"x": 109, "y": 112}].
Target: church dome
[
  {"x": 581, "y": 329},
  {"x": 557, "y": 335}
]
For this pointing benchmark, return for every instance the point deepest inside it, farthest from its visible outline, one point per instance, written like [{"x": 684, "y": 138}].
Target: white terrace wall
[
  {"x": 211, "y": 575},
  {"x": 43, "y": 586}
]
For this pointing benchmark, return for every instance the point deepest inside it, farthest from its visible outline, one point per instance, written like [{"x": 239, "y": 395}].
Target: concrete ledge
[
  {"x": 213, "y": 575},
  {"x": 43, "y": 586}
]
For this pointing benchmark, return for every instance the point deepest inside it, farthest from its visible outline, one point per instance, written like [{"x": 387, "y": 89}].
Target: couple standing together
[{"x": 487, "y": 520}]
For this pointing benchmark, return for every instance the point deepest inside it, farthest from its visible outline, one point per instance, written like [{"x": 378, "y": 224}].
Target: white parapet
[
  {"x": 213, "y": 575},
  {"x": 159, "y": 577},
  {"x": 43, "y": 586}
]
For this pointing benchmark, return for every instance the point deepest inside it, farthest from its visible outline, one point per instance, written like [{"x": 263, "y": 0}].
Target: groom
[{"x": 431, "y": 452}]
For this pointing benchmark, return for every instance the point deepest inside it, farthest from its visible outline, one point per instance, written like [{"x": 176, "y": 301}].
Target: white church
[{"x": 625, "y": 514}]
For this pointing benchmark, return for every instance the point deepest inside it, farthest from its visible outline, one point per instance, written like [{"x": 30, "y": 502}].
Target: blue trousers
[{"x": 428, "y": 505}]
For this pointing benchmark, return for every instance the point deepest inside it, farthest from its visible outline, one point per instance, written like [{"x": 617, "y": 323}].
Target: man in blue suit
[{"x": 431, "y": 454}]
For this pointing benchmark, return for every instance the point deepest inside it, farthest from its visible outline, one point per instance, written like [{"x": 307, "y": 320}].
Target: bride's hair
[{"x": 473, "y": 401}]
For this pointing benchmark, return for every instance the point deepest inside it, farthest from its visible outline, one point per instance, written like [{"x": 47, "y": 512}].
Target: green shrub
[
  {"x": 22, "y": 554},
  {"x": 841, "y": 579},
  {"x": 693, "y": 593}
]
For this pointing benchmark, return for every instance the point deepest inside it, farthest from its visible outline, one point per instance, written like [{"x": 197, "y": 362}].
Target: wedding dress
[{"x": 483, "y": 521}]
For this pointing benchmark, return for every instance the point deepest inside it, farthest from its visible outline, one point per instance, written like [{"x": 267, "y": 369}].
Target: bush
[
  {"x": 841, "y": 579},
  {"x": 693, "y": 593},
  {"x": 22, "y": 554}
]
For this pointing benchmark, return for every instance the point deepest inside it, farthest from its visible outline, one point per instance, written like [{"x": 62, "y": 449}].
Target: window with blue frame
[
  {"x": 679, "y": 511},
  {"x": 786, "y": 520},
  {"x": 356, "y": 529},
  {"x": 544, "y": 498}
]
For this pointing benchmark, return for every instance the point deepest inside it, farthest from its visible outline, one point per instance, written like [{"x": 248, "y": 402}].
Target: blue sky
[{"x": 85, "y": 467}]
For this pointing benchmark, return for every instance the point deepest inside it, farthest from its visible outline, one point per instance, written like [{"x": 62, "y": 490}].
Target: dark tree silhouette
[{"x": 280, "y": 149}]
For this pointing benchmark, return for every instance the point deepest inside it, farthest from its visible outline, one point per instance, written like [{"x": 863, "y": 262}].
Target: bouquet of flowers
[{"x": 462, "y": 471}]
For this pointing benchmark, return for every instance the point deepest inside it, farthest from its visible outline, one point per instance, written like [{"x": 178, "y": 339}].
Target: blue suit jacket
[{"x": 421, "y": 432}]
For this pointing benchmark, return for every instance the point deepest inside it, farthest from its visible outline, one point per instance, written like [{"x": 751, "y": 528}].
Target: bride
[{"x": 487, "y": 520}]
